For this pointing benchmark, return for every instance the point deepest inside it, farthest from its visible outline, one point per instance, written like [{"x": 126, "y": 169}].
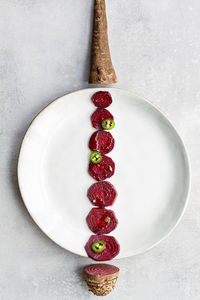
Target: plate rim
[{"x": 167, "y": 119}]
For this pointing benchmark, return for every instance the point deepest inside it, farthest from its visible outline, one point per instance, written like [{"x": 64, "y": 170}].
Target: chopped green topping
[
  {"x": 107, "y": 220},
  {"x": 108, "y": 124},
  {"x": 110, "y": 168},
  {"x": 95, "y": 157},
  {"x": 98, "y": 246}
]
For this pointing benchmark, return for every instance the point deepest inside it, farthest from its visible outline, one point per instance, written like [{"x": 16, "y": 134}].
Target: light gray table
[{"x": 44, "y": 53}]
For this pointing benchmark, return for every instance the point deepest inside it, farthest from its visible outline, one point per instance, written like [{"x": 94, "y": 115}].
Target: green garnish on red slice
[
  {"x": 108, "y": 124},
  {"x": 98, "y": 246},
  {"x": 95, "y": 157},
  {"x": 110, "y": 168},
  {"x": 107, "y": 220}
]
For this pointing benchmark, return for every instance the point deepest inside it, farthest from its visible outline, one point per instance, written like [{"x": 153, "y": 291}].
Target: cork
[{"x": 101, "y": 69}]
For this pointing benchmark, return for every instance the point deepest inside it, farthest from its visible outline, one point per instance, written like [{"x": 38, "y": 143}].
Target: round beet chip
[
  {"x": 100, "y": 269},
  {"x": 96, "y": 251},
  {"x": 102, "y": 99},
  {"x": 101, "y": 141},
  {"x": 102, "y": 194},
  {"x": 98, "y": 116},
  {"x": 103, "y": 170},
  {"x": 101, "y": 220}
]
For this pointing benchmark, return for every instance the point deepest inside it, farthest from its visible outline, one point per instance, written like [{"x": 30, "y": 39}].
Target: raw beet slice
[
  {"x": 102, "y": 99},
  {"x": 111, "y": 249},
  {"x": 101, "y": 220},
  {"x": 102, "y": 194},
  {"x": 101, "y": 141},
  {"x": 100, "y": 269},
  {"x": 98, "y": 116},
  {"x": 103, "y": 170}
]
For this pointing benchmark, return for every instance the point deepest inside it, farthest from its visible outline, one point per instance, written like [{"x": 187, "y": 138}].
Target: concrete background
[{"x": 44, "y": 53}]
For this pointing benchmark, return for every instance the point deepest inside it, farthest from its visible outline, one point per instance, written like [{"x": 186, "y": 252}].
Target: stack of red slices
[{"x": 101, "y": 194}]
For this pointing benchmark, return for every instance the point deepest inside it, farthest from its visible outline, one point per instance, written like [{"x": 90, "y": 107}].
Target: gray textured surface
[{"x": 44, "y": 54}]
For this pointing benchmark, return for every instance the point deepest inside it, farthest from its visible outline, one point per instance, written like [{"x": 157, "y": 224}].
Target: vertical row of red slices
[{"x": 101, "y": 194}]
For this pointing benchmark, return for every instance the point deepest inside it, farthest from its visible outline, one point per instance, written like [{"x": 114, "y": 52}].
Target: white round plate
[{"x": 151, "y": 177}]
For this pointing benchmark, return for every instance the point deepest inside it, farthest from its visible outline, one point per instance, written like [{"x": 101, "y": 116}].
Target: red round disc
[
  {"x": 102, "y": 99},
  {"x": 103, "y": 170},
  {"x": 98, "y": 116},
  {"x": 101, "y": 220},
  {"x": 111, "y": 249},
  {"x": 101, "y": 141},
  {"x": 100, "y": 269},
  {"x": 102, "y": 194}
]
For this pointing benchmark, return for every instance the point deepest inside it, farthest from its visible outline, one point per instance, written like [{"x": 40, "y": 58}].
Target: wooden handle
[{"x": 101, "y": 70}]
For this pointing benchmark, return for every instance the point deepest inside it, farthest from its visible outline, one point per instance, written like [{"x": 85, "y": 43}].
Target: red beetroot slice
[
  {"x": 101, "y": 220},
  {"x": 111, "y": 249},
  {"x": 100, "y": 269},
  {"x": 103, "y": 170},
  {"x": 98, "y": 116},
  {"x": 101, "y": 141},
  {"x": 102, "y": 99},
  {"x": 102, "y": 194}
]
